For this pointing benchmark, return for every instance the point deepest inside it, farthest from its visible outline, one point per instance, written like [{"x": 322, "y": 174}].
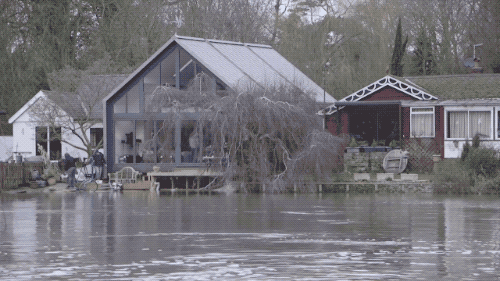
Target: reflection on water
[{"x": 142, "y": 236}]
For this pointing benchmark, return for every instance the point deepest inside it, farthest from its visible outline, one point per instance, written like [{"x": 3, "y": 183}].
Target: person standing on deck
[
  {"x": 98, "y": 162},
  {"x": 194, "y": 143},
  {"x": 70, "y": 168}
]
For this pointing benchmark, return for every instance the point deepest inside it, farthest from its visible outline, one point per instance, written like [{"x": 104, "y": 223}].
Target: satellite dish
[
  {"x": 469, "y": 62},
  {"x": 395, "y": 161}
]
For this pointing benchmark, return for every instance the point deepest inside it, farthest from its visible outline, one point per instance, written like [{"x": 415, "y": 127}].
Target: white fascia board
[{"x": 26, "y": 106}]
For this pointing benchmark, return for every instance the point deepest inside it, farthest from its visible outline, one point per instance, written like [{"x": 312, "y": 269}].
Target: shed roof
[
  {"x": 446, "y": 90},
  {"x": 88, "y": 96},
  {"x": 239, "y": 65},
  {"x": 467, "y": 86},
  {"x": 89, "y": 93},
  {"x": 399, "y": 83}
]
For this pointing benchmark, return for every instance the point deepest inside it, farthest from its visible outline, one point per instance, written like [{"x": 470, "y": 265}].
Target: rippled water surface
[{"x": 143, "y": 236}]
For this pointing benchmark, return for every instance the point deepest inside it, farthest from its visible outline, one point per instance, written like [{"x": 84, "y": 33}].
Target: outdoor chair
[{"x": 125, "y": 175}]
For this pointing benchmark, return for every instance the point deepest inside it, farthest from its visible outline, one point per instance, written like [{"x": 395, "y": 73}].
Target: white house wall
[
  {"x": 453, "y": 149},
  {"x": 24, "y": 138},
  {"x": 5, "y": 147}
]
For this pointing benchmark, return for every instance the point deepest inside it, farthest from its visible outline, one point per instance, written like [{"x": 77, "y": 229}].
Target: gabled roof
[
  {"x": 239, "y": 65},
  {"x": 467, "y": 86},
  {"x": 90, "y": 92},
  {"x": 26, "y": 106},
  {"x": 400, "y": 84},
  {"x": 94, "y": 88}
]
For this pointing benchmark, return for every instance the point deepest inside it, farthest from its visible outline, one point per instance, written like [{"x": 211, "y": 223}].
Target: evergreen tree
[
  {"x": 398, "y": 53},
  {"x": 423, "y": 61}
]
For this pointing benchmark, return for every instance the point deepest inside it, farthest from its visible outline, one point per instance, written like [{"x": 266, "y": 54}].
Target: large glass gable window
[
  {"x": 468, "y": 124},
  {"x": 148, "y": 128}
]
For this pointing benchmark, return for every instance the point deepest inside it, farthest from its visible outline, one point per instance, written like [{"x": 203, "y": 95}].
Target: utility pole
[{"x": 474, "y": 49}]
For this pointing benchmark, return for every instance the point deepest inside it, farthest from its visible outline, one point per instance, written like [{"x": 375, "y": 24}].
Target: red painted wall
[
  {"x": 387, "y": 93},
  {"x": 439, "y": 115},
  {"x": 405, "y": 122},
  {"x": 344, "y": 122},
  {"x": 331, "y": 123}
]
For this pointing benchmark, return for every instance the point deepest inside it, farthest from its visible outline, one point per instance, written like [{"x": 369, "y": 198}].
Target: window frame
[
  {"x": 50, "y": 142},
  {"x": 433, "y": 113},
  {"x": 489, "y": 109},
  {"x": 496, "y": 126},
  {"x": 93, "y": 132}
]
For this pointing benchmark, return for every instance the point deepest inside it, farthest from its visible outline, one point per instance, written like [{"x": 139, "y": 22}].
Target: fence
[
  {"x": 421, "y": 152},
  {"x": 12, "y": 175}
]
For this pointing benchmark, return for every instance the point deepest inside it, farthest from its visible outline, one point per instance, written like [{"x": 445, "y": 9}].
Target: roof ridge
[
  {"x": 452, "y": 75},
  {"x": 223, "y": 41}
]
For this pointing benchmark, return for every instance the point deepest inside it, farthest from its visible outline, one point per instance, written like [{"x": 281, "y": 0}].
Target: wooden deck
[
  {"x": 191, "y": 176},
  {"x": 396, "y": 185}
]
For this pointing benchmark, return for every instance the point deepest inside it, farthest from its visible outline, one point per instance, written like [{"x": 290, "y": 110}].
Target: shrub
[
  {"x": 453, "y": 177},
  {"x": 353, "y": 142},
  {"x": 476, "y": 141},
  {"x": 482, "y": 161},
  {"x": 465, "y": 151},
  {"x": 489, "y": 186}
]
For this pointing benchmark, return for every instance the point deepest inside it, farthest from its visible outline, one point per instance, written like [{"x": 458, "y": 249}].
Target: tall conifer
[{"x": 398, "y": 53}]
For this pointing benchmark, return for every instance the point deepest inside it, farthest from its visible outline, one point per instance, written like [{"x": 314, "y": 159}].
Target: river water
[{"x": 137, "y": 235}]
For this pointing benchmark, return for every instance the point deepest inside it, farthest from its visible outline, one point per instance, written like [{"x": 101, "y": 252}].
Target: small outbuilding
[{"x": 30, "y": 131}]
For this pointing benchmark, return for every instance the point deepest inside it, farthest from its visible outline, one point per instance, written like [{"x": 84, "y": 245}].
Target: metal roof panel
[
  {"x": 213, "y": 60},
  {"x": 291, "y": 73},
  {"x": 251, "y": 64}
]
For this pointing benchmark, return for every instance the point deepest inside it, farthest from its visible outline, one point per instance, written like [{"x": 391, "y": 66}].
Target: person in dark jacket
[
  {"x": 70, "y": 168},
  {"x": 98, "y": 162}
]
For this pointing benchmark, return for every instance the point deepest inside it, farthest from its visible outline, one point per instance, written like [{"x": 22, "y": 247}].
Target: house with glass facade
[
  {"x": 443, "y": 111},
  {"x": 144, "y": 129}
]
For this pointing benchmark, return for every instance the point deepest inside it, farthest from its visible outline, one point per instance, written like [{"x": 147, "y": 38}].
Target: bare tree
[
  {"x": 75, "y": 112},
  {"x": 269, "y": 137}
]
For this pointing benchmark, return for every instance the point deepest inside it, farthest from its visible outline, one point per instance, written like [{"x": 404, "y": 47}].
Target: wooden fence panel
[
  {"x": 12, "y": 174},
  {"x": 421, "y": 152}
]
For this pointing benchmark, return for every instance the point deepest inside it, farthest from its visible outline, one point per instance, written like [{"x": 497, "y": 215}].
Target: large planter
[
  {"x": 51, "y": 181},
  {"x": 140, "y": 185}
]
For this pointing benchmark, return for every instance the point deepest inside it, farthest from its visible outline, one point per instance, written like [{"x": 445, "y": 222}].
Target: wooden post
[
  {"x": 2, "y": 175},
  {"x": 346, "y": 188}
]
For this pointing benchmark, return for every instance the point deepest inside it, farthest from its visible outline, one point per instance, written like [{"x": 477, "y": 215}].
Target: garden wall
[{"x": 359, "y": 160}]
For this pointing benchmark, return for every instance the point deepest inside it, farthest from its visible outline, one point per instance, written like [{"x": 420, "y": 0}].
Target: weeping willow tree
[{"x": 262, "y": 137}]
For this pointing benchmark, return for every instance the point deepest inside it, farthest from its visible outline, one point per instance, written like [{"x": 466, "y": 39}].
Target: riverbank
[
  {"x": 341, "y": 183},
  {"x": 56, "y": 188}
]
